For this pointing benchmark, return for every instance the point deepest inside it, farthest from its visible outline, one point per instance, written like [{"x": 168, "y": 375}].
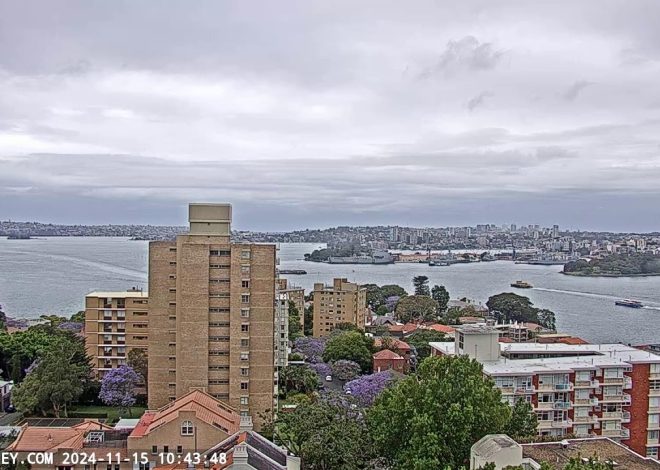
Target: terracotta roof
[
  {"x": 386, "y": 354},
  {"x": 442, "y": 328},
  {"x": 40, "y": 439},
  {"x": 573, "y": 340},
  {"x": 505, "y": 340},
  {"x": 205, "y": 407}
]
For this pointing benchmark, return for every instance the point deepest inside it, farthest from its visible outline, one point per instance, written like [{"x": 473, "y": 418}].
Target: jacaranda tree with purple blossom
[
  {"x": 322, "y": 369},
  {"x": 345, "y": 370},
  {"x": 365, "y": 389},
  {"x": 311, "y": 348},
  {"x": 118, "y": 387}
]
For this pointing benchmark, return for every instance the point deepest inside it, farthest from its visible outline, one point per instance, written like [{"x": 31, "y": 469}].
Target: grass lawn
[{"x": 113, "y": 413}]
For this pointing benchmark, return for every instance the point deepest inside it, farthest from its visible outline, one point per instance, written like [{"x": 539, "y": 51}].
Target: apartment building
[
  {"x": 115, "y": 323},
  {"x": 211, "y": 315},
  {"x": 342, "y": 302},
  {"x": 293, "y": 294},
  {"x": 609, "y": 390},
  {"x": 286, "y": 293}
]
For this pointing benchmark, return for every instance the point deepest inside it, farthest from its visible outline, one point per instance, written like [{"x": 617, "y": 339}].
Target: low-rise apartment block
[
  {"x": 342, "y": 302},
  {"x": 115, "y": 323},
  {"x": 609, "y": 390}
]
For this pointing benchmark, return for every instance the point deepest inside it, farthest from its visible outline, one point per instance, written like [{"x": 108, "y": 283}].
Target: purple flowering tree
[
  {"x": 118, "y": 387},
  {"x": 345, "y": 370},
  {"x": 365, "y": 389},
  {"x": 322, "y": 369},
  {"x": 311, "y": 348}
]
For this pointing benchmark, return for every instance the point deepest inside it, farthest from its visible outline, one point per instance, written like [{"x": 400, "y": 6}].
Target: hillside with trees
[{"x": 636, "y": 264}]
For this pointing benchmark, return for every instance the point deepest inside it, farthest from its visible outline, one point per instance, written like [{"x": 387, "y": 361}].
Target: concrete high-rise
[
  {"x": 115, "y": 323},
  {"x": 342, "y": 302},
  {"x": 211, "y": 315}
]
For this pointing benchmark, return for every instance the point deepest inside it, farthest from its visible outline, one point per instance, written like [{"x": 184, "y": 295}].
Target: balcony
[
  {"x": 585, "y": 419},
  {"x": 563, "y": 387},
  {"x": 622, "y": 433},
  {"x": 626, "y": 417},
  {"x": 613, "y": 381},
  {"x": 627, "y": 384},
  {"x": 654, "y": 393},
  {"x": 587, "y": 384},
  {"x": 609, "y": 415},
  {"x": 567, "y": 423},
  {"x": 562, "y": 405},
  {"x": 623, "y": 398}
]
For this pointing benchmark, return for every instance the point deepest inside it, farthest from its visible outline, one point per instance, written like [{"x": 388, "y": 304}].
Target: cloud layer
[{"x": 316, "y": 113}]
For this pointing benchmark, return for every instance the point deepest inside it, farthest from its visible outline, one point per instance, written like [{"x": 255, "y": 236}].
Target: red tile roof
[
  {"x": 41, "y": 439},
  {"x": 387, "y": 354},
  {"x": 205, "y": 407},
  {"x": 442, "y": 328}
]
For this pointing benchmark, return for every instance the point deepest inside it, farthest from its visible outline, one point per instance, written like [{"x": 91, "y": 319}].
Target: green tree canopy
[
  {"x": 421, "y": 285},
  {"x": 377, "y": 295},
  {"x": 309, "y": 321},
  {"x": 507, "y": 307},
  {"x": 298, "y": 378},
  {"x": 592, "y": 463},
  {"x": 78, "y": 317},
  {"x": 325, "y": 436},
  {"x": 349, "y": 345},
  {"x": 138, "y": 361},
  {"x": 432, "y": 419},
  {"x": 420, "y": 339},
  {"x": 295, "y": 328},
  {"x": 523, "y": 422},
  {"x": 416, "y": 308},
  {"x": 441, "y": 296},
  {"x": 55, "y": 382}
]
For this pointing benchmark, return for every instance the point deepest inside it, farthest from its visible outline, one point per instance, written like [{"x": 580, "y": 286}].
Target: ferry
[
  {"x": 521, "y": 285},
  {"x": 629, "y": 303}
]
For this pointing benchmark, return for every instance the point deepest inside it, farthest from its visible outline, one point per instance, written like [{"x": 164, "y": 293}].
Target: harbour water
[{"x": 52, "y": 275}]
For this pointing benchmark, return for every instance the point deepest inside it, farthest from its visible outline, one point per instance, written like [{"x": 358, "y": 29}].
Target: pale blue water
[{"x": 53, "y": 275}]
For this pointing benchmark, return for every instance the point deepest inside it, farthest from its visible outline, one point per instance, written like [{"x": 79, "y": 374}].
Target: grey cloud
[
  {"x": 575, "y": 89},
  {"x": 305, "y": 104},
  {"x": 478, "y": 100},
  {"x": 467, "y": 53}
]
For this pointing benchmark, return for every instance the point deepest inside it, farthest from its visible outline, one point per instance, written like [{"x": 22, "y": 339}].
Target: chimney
[
  {"x": 246, "y": 423},
  {"x": 240, "y": 456}
]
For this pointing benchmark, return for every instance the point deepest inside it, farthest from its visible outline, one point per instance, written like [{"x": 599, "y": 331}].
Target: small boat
[
  {"x": 629, "y": 303},
  {"x": 292, "y": 271},
  {"x": 521, "y": 285}
]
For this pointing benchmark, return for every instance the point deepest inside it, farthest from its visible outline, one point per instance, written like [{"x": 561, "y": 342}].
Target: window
[
  {"x": 245, "y": 328},
  {"x": 244, "y": 356},
  {"x": 652, "y": 452},
  {"x": 460, "y": 341},
  {"x": 245, "y": 269},
  {"x": 179, "y": 449},
  {"x": 655, "y": 368},
  {"x": 187, "y": 428},
  {"x": 245, "y": 413},
  {"x": 154, "y": 449},
  {"x": 245, "y": 343},
  {"x": 245, "y": 371},
  {"x": 245, "y": 312},
  {"x": 244, "y": 385},
  {"x": 244, "y": 400},
  {"x": 245, "y": 284},
  {"x": 245, "y": 298},
  {"x": 245, "y": 254}
]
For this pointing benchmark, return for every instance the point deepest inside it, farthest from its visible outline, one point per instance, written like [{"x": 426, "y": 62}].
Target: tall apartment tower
[
  {"x": 342, "y": 302},
  {"x": 115, "y": 323},
  {"x": 211, "y": 315}
]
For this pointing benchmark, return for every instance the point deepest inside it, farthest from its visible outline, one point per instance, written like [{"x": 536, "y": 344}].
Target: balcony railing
[
  {"x": 612, "y": 415},
  {"x": 567, "y": 423},
  {"x": 613, "y": 380},
  {"x": 562, "y": 405},
  {"x": 585, "y": 419},
  {"x": 626, "y": 417},
  {"x": 622, "y": 433}
]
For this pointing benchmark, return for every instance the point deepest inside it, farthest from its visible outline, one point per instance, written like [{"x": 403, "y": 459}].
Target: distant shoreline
[{"x": 576, "y": 274}]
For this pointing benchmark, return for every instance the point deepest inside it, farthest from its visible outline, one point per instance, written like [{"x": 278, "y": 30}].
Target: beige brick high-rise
[
  {"x": 342, "y": 302},
  {"x": 211, "y": 315},
  {"x": 115, "y": 323}
]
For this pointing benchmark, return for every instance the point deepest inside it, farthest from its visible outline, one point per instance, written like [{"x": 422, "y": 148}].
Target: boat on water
[
  {"x": 629, "y": 303},
  {"x": 292, "y": 271},
  {"x": 521, "y": 285}
]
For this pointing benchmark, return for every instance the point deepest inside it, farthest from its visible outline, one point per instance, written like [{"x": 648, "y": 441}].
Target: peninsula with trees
[{"x": 616, "y": 265}]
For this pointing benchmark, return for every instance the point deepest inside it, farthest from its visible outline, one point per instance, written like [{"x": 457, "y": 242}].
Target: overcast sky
[{"x": 314, "y": 114}]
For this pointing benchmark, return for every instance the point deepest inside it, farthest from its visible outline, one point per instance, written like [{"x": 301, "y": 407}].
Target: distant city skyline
[{"x": 319, "y": 114}]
